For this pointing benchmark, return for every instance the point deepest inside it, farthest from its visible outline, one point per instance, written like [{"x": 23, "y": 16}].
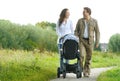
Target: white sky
[{"x": 107, "y": 12}]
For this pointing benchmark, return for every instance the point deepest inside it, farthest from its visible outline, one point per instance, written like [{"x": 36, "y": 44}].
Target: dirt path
[{"x": 93, "y": 76}]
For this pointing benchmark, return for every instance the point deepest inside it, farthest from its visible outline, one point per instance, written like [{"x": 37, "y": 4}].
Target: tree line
[
  {"x": 42, "y": 36},
  {"x": 26, "y": 37}
]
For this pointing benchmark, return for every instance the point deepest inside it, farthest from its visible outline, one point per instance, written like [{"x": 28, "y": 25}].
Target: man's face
[{"x": 85, "y": 13}]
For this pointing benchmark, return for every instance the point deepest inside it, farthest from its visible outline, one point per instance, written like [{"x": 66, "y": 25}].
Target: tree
[
  {"x": 45, "y": 24},
  {"x": 26, "y": 37},
  {"x": 114, "y": 43}
]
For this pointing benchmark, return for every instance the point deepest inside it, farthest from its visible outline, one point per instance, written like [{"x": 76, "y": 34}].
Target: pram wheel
[
  {"x": 78, "y": 73},
  {"x": 58, "y": 72},
  {"x": 64, "y": 74},
  {"x": 64, "y": 70}
]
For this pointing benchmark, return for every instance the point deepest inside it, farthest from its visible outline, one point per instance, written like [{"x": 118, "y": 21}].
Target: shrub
[
  {"x": 26, "y": 37},
  {"x": 114, "y": 43}
]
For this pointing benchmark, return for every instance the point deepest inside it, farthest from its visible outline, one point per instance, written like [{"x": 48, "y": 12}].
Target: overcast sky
[{"x": 106, "y": 12}]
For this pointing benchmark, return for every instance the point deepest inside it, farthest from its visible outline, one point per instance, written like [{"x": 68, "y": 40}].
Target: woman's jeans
[{"x": 61, "y": 58}]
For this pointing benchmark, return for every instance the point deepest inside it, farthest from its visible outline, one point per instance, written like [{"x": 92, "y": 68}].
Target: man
[{"x": 85, "y": 29}]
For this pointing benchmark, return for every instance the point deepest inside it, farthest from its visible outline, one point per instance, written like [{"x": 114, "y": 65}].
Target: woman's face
[{"x": 67, "y": 14}]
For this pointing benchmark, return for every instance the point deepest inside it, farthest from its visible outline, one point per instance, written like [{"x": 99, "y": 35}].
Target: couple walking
[{"x": 85, "y": 29}]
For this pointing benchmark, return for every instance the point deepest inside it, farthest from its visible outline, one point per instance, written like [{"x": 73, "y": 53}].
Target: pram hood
[{"x": 70, "y": 37}]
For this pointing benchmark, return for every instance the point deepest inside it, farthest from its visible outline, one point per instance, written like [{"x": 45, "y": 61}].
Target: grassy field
[
  {"x": 102, "y": 59},
  {"x": 113, "y": 74},
  {"x": 27, "y": 66},
  {"x": 110, "y": 75},
  {"x": 34, "y": 66}
]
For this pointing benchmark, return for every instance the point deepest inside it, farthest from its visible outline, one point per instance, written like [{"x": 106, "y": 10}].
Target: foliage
[
  {"x": 27, "y": 37},
  {"x": 114, "y": 43},
  {"x": 45, "y": 24}
]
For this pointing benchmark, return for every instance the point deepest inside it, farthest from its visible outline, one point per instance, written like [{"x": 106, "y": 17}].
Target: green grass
[
  {"x": 101, "y": 59},
  {"x": 27, "y": 66},
  {"x": 110, "y": 75},
  {"x": 106, "y": 60},
  {"x": 22, "y": 65}
]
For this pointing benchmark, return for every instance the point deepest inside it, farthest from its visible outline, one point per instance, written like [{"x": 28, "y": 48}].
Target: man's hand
[{"x": 96, "y": 46}]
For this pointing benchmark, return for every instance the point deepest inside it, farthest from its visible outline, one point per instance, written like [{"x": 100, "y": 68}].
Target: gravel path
[{"x": 93, "y": 76}]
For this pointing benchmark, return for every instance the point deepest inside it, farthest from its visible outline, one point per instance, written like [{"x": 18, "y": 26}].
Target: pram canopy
[
  {"x": 70, "y": 37},
  {"x": 70, "y": 46}
]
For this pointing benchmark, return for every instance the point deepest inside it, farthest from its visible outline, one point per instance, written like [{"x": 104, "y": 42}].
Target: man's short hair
[{"x": 88, "y": 10}]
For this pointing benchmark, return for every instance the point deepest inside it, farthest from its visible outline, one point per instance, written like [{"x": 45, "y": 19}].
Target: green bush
[
  {"x": 114, "y": 43},
  {"x": 26, "y": 37}
]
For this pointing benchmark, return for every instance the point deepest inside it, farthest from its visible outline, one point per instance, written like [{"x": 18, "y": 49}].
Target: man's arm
[
  {"x": 97, "y": 34},
  {"x": 77, "y": 29}
]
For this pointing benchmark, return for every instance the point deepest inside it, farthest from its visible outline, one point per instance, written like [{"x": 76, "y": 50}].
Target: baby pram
[{"x": 70, "y": 51}]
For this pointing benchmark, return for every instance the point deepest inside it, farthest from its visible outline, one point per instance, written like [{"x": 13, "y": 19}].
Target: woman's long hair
[{"x": 62, "y": 16}]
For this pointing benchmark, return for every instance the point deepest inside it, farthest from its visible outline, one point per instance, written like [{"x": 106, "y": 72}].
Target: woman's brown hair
[{"x": 62, "y": 16}]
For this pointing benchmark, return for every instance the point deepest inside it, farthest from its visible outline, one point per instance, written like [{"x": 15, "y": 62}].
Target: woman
[{"x": 64, "y": 26}]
